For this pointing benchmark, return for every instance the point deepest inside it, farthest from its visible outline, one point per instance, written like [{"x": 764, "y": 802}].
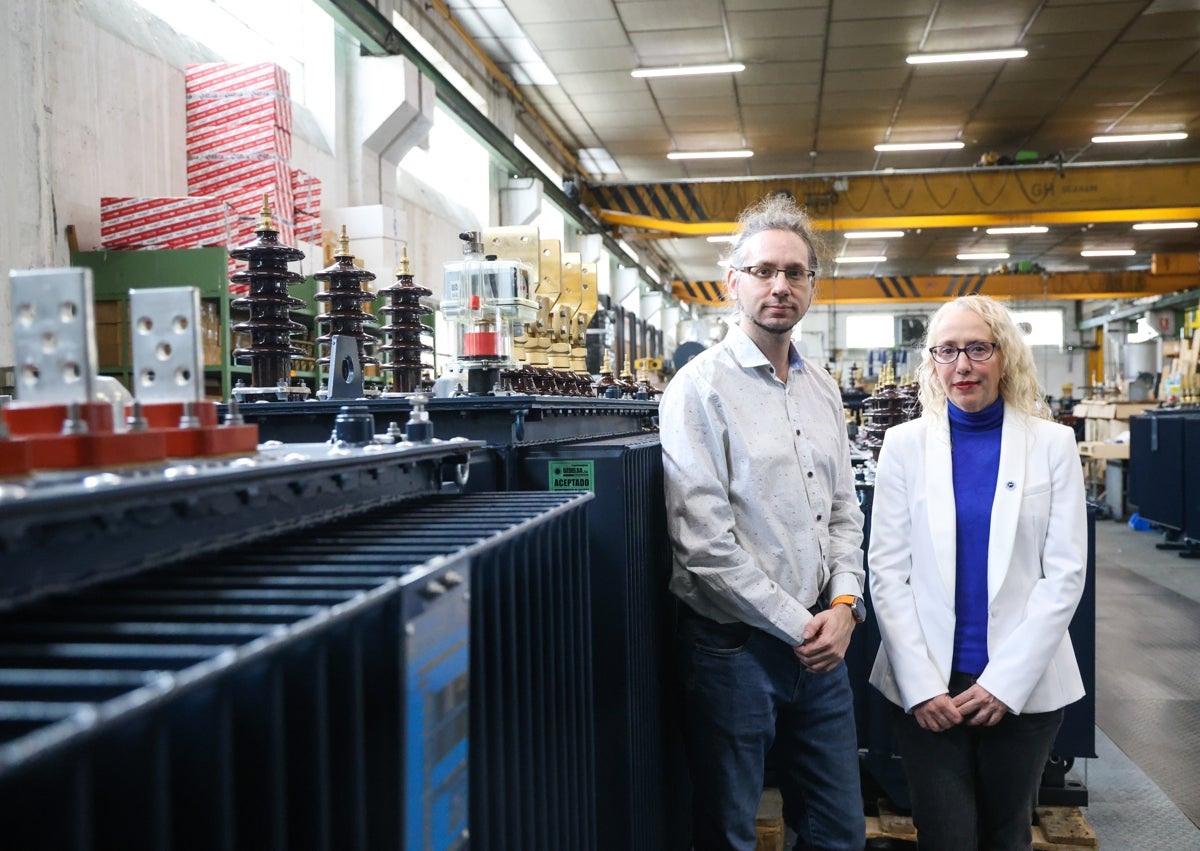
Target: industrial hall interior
[{"x": 395, "y": 395}]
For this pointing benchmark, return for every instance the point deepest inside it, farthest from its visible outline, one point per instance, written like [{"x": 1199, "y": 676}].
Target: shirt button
[
  {"x": 797, "y": 431},
  {"x": 810, "y": 474},
  {"x": 818, "y": 516}
]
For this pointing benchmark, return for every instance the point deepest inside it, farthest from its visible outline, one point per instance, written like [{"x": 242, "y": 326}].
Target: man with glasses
[{"x": 766, "y": 533}]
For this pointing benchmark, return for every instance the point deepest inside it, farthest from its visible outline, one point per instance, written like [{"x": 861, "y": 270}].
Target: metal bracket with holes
[
  {"x": 54, "y": 335},
  {"x": 167, "y": 344}
]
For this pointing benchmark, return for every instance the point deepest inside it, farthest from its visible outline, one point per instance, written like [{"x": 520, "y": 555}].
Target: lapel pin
[{"x": 1010, "y": 485}]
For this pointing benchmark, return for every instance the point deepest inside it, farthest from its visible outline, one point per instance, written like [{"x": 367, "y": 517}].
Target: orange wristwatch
[{"x": 857, "y": 609}]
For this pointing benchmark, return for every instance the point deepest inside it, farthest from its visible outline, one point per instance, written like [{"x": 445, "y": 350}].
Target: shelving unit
[{"x": 114, "y": 273}]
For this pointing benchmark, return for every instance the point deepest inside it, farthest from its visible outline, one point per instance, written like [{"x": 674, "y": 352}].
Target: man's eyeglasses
[
  {"x": 768, "y": 273},
  {"x": 976, "y": 352}
]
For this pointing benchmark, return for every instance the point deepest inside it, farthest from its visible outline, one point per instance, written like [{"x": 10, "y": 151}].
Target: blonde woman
[{"x": 977, "y": 562}]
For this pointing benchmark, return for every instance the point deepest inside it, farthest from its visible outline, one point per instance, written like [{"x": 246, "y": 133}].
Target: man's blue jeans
[{"x": 745, "y": 691}]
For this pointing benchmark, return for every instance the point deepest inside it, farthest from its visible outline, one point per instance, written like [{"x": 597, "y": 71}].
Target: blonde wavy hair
[{"x": 1018, "y": 376}]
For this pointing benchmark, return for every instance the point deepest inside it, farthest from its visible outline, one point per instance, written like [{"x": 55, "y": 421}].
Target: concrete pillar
[
  {"x": 625, "y": 284},
  {"x": 392, "y": 104},
  {"x": 650, "y": 307},
  {"x": 671, "y": 315},
  {"x": 390, "y": 111}
]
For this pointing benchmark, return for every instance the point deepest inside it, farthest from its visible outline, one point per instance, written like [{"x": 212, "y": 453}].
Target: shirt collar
[
  {"x": 991, "y": 417},
  {"x": 747, "y": 353}
]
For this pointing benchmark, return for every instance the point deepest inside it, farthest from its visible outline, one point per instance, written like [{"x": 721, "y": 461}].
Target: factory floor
[{"x": 1144, "y": 788}]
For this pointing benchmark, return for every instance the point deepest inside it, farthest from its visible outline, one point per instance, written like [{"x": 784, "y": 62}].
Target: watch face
[{"x": 857, "y": 609}]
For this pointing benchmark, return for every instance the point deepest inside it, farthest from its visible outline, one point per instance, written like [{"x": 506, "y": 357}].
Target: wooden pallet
[
  {"x": 769, "y": 821},
  {"x": 1057, "y": 828},
  {"x": 1063, "y": 827}
]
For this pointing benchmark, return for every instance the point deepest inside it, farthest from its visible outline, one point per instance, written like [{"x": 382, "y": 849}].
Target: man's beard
[{"x": 785, "y": 328}]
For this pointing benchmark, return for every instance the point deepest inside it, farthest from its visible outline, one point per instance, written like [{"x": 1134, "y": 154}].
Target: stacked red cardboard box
[
  {"x": 239, "y": 142},
  {"x": 192, "y": 222}
]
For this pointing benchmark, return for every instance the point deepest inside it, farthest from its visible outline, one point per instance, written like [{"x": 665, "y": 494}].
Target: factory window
[
  {"x": 1041, "y": 327},
  {"x": 870, "y": 331},
  {"x": 544, "y": 167},
  {"x": 455, "y": 163},
  {"x": 435, "y": 58}
]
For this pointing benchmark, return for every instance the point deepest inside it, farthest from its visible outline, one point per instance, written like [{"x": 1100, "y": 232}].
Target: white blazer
[{"x": 1037, "y": 553}]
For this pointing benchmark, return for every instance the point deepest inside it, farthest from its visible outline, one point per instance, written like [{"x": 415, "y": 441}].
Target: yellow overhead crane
[
  {"x": 982, "y": 197},
  {"x": 922, "y": 288},
  {"x": 986, "y": 196}
]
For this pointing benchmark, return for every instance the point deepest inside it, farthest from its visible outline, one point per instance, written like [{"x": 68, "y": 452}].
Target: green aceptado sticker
[{"x": 572, "y": 476}]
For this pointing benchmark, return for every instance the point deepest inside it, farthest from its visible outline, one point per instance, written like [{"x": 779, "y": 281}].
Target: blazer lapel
[
  {"x": 939, "y": 495},
  {"x": 1006, "y": 505}
]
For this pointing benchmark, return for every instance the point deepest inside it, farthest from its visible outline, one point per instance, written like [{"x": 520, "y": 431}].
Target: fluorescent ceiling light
[
  {"x": 966, "y": 56},
  {"x": 984, "y": 255},
  {"x": 1026, "y": 229},
  {"x": 874, "y": 234},
  {"x": 878, "y": 258},
  {"x": 1139, "y": 137},
  {"x": 1165, "y": 225},
  {"x": 729, "y": 238},
  {"x": 918, "y": 146},
  {"x": 1108, "y": 252},
  {"x": 709, "y": 155},
  {"x": 688, "y": 70}
]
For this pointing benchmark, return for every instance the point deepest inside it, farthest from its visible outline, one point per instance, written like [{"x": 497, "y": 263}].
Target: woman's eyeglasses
[{"x": 976, "y": 352}]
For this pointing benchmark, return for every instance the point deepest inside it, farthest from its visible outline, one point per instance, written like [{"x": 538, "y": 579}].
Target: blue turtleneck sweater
[{"x": 975, "y": 454}]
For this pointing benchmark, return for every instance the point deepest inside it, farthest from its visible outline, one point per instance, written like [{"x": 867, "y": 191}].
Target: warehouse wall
[
  {"x": 98, "y": 109},
  {"x": 25, "y": 196},
  {"x": 118, "y": 100},
  {"x": 102, "y": 113}
]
